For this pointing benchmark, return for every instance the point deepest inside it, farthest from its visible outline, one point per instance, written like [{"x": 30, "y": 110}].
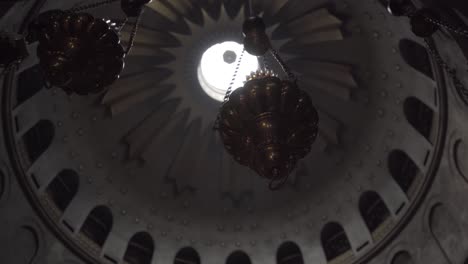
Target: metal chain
[
  {"x": 459, "y": 31},
  {"x": 461, "y": 89},
  {"x": 122, "y": 25},
  {"x": 250, "y": 6},
  {"x": 283, "y": 65},
  {"x": 91, "y": 6},
  {"x": 134, "y": 32},
  {"x": 229, "y": 90},
  {"x": 266, "y": 66}
]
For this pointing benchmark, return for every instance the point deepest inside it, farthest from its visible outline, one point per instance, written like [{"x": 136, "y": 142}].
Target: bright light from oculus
[{"x": 218, "y": 65}]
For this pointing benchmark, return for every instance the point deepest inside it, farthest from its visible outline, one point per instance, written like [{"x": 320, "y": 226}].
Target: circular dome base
[{"x": 172, "y": 177}]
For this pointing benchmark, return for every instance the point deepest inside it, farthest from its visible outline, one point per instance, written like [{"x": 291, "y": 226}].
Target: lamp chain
[
  {"x": 229, "y": 90},
  {"x": 266, "y": 66},
  {"x": 283, "y": 65},
  {"x": 459, "y": 31},
  {"x": 122, "y": 25},
  {"x": 461, "y": 89},
  {"x": 134, "y": 32}
]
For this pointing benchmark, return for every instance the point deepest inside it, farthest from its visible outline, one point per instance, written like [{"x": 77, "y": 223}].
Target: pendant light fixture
[
  {"x": 80, "y": 53},
  {"x": 269, "y": 124}
]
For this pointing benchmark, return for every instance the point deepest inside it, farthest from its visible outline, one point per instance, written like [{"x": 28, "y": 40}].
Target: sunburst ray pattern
[{"x": 164, "y": 65}]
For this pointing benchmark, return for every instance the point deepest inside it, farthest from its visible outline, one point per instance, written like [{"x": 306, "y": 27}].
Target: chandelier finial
[{"x": 256, "y": 41}]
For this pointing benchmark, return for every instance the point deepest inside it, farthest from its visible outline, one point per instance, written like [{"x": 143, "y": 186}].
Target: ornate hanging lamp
[
  {"x": 78, "y": 52},
  {"x": 269, "y": 124}
]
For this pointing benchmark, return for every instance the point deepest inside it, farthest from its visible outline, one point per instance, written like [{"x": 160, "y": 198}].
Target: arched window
[
  {"x": 373, "y": 210},
  {"x": 402, "y": 169},
  {"x": 416, "y": 56},
  {"x": 419, "y": 115},
  {"x": 187, "y": 255},
  {"x": 30, "y": 81},
  {"x": 289, "y": 253},
  {"x": 98, "y": 225},
  {"x": 38, "y": 139},
  {"x": 63, "y": 188},
  {"x": 238, "y": 257},
  {"x": 402, "y": 257},
  {"x": 140, "y": 249},
  {"x": 334, "y": 241}
]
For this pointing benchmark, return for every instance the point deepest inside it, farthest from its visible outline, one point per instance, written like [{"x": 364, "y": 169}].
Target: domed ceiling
[{"x": 141, "y": 163}]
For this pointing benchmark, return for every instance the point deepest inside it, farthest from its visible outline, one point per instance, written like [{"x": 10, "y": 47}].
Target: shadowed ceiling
[{"x": 144, "y": 156}]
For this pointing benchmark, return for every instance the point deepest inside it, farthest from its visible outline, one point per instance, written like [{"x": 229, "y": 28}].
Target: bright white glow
[{"x": 215, "y": 75}]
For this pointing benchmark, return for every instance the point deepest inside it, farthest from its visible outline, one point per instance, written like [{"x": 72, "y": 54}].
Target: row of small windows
[
  {"x": 64, "y": 187},
  {"x": 98, "y": 225},
  {"x": 417, "y": 113},
  {"x": 140, "y": 248},
  {"x": 334, "y": 240},
  {"x": 374, "y": 212},
  {"x": 335, "y": 243},
  {"x": 99, "y": 222}
]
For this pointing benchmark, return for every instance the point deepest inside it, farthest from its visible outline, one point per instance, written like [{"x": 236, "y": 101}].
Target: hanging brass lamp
[
  {"x": 269, "y": 124},
  {"x": 80, "y": 53},
  {"x": 77, "y": 52}
]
